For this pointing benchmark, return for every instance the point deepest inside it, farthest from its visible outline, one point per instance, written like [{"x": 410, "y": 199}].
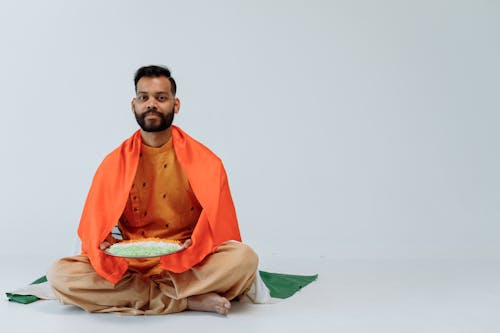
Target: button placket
[{"x": 134, "y": 195}]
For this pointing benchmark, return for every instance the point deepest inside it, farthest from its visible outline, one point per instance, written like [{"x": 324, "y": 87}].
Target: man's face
[{"x": 154, "y": 105}]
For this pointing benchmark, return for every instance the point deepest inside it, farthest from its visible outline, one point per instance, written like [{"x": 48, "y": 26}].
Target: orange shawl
[{"x": 109, "y": 192}]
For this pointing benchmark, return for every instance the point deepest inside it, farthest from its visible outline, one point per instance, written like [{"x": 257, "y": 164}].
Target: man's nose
[{"x": 151, "y": 105}]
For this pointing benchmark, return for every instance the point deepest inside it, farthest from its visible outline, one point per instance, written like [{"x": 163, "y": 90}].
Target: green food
[{"x": 141, "y": 250}]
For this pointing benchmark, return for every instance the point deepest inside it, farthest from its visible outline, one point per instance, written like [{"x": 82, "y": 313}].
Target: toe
[
  {"x": 221, "y": 310},
  {"x": 225, "y": 303}
]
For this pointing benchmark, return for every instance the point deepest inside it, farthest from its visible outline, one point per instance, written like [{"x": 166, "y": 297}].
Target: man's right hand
[{"x": 104, "y": 245}]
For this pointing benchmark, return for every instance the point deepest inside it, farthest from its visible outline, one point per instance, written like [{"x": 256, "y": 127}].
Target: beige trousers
[{"x": 229, "y": 272}]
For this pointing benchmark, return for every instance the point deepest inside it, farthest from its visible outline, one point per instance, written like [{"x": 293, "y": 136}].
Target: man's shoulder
[{"x": 185, "y": 147}]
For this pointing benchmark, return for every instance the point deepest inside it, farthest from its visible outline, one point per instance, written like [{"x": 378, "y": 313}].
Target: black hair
[{"x": 155, "y": 71}]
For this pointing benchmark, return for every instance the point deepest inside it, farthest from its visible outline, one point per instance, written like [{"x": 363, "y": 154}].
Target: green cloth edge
[
  {"x": 26, "y": 299},
  {"x": 285, "y": 285}
]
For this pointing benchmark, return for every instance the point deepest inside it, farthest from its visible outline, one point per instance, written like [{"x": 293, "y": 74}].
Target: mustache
[{"x": 152, "y": 111}]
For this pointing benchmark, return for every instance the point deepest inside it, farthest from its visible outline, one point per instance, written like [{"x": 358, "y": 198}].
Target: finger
[{"x": 104, "y": 245}]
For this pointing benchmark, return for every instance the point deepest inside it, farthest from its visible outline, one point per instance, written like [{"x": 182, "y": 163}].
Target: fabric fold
[{"x": 38, "y": 289}]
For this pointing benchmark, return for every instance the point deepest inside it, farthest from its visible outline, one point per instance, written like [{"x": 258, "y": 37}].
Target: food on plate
[{"x": 149, "y": 247}]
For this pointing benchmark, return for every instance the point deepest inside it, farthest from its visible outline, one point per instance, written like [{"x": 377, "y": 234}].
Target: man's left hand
[{"x": 187, "y": 243}]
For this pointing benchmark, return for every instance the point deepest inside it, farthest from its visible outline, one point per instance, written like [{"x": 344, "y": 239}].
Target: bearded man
[{"x": 159, "y": 183}]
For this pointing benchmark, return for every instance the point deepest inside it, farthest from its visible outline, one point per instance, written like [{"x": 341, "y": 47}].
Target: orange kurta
[
  {"x": 110, "y": 189},
  {"x": 161, "y": 204}
]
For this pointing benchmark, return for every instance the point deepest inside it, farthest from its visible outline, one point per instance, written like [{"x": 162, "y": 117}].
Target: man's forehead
[
  {"x": 152, "y": 91},
  {"x": 154, "y": 84}
]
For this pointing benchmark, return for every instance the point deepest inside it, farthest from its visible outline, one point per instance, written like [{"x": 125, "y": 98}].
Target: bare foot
[{"x": 211, "y": 302}]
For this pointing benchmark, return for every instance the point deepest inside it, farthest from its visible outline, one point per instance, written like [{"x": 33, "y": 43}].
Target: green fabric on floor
[
  {"x": 285, "y": 285},
  {"x": 26, "y": 299}
]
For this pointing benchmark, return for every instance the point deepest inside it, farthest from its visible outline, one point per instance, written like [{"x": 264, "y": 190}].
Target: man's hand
[
  {"x": 104, "y": 245},
  {"x": 187, "y": 243}
]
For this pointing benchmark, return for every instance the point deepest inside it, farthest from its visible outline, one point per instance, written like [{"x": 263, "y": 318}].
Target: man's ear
[
  {"x": 177, "y": 105},
  {"x": 132, "y": 103}
]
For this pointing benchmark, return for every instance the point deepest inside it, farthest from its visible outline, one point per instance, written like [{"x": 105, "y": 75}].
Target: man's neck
[{"x": 156, "y": 139}]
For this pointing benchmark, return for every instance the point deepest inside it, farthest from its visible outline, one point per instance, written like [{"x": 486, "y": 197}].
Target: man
[{"x": 159, "y": 183}]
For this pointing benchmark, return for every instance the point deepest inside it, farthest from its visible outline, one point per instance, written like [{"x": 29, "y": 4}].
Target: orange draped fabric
[{"x": 109, "y": 192}]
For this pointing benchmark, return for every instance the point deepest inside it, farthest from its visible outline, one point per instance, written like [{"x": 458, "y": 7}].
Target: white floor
[{"x": 349, "y": 296}]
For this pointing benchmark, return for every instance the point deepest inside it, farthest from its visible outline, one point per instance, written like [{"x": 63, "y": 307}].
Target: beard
[{"x": 154, "y": 126}]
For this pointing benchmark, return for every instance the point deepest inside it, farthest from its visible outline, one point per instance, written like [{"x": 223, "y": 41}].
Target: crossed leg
[{"x": 209, "y": 286}]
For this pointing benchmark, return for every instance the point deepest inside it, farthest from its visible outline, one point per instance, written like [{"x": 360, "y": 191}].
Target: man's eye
[
  {"x": 162, "y": 98},
  {"x": 142, "y": 97}
]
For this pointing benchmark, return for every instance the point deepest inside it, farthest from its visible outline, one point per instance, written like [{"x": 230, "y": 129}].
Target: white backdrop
[{"x": 364, "y": 129}]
